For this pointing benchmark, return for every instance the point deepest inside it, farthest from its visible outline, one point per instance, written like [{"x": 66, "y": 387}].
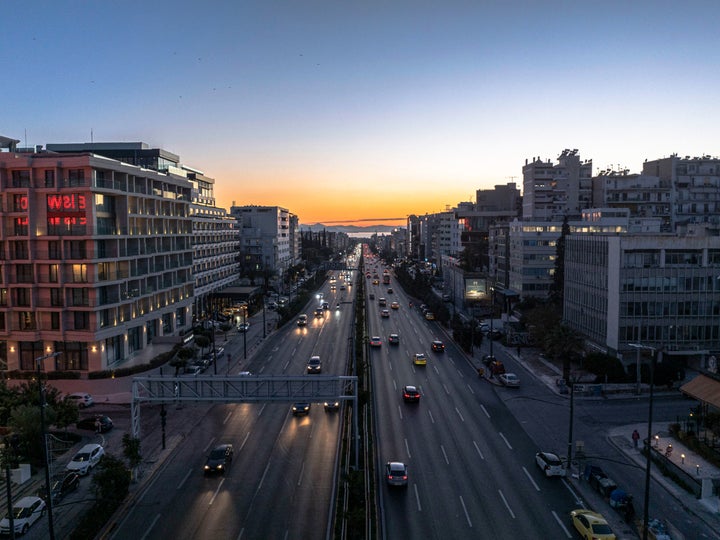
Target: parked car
[
  {"x": 396, "y": 474},
  {"x": 82, "y": 399},
  {"x": 300, "y": 408},
  {"x": 591, "y": 525},
  {"x": 510, "y": 380},
  {"x": 25, "y": 512},
  {"x": 61, "y": 485},
  {"x": 88, "y": 456},
  {"x": 219, "y": 460},
  {"x": 410, "y": 394},
  {"x": 550, "y": 464},
  {"x": 99, "y": 423}
]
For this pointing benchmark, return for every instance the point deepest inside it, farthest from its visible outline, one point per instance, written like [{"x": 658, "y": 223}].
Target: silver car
[
  {"x": 550, "y": 464},
  {"x": 396, "y": 474}
]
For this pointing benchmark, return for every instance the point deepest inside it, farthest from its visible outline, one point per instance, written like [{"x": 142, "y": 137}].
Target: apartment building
[
  {"x": 264, "y": 238},
  {"x": 553, "y": 191},
  {"x": 97, "y": 257}
]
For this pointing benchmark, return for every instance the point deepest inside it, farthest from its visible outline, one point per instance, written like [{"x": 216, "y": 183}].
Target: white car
[
  {"x": 510, "y": 380},
  {"x": 550, "y": 464},
  {"x": 88, "y": 456},
  {"x": 26, "y": 511},
  {"x": 82, "y": 399}
]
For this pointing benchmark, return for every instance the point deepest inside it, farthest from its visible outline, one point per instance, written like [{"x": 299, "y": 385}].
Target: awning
[{"x": 703, "y": 388}]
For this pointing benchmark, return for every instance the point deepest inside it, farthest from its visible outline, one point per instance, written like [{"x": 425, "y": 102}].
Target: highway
[
  {"x": 281, "y": 481},
  {"x": 471, "y": 464}
]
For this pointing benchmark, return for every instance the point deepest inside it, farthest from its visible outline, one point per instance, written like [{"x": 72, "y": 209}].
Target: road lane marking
[
  {"x": 432, "y": 418},
  {"x": 504, "y": 439},
  {"x": 216, "y": 492},
  {"x": 557, "y": 518},
  {"x": 471, "y": 389},
  {"x": 485, "y": 411},
  {"x": 512, "y": 514},
  {"x": 436, "y": 369},
  {"x": 180, "y": 485},
  {"x": 442, "y": 448},
  {"x": 531, "y": 479},
  {"x": 261, "y": 409},
  {"x": 400, "y": 412},
  {"x": 407, "y": 448},
  {"x": 208, "y": 445},
  {"x": 302, "y": 471},
  {"x": 578, "y": 500},
  {"x": 154, "y": 521},
  {"x": 446, "y": 389},
  {"x": 467, "y": 516},
  {"x": 227, "y": 417},
  {"x": 459, "y": 414},
  {"x": 262, "y": 479},
  {"x": 478, "y": 450},
  {"x": 244, "y": 441},
  {"x": 417, "y": 498},
  {"x": 287, "y": 364}
]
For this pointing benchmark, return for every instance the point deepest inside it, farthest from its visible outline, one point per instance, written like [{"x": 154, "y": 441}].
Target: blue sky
[{"x": 354, "y": 110}]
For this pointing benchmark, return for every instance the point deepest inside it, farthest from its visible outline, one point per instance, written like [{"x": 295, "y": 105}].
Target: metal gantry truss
[{"x": 239, "y": 389}]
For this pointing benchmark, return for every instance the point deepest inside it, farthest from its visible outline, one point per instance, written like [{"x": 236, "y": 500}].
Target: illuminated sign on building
[{"x": 66, "y": 209}]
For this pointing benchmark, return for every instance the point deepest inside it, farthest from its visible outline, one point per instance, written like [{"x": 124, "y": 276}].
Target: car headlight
[{"x": 207, "y": 467}]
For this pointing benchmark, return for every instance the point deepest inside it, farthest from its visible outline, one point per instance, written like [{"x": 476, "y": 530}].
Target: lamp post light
[
  {"x": 46, "y": 460},
  {"x": 646, "y": 510}
]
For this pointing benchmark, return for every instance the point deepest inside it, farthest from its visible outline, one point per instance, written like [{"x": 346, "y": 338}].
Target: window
[
  {"x": 20, "y": 250},
  {"x": 56, "y": 297},
  {"x": 20, "y": 203},
  {"x": 77, "y": 249},
  {"x": 26, "y": 321},
  {"x": 49, "y": 178},
  {"x": 79, "y": 273},
  {"x": 80, "y": 297},
  {"x": 54, "y": 250},
  {"x": 22, "y": 297},
  {"x": 21, "y": 178},
  {"x": 53, "y": 273},
  {"x": 54, "y": 320},
  {"x": 24, "y": 273},
  {"x": 82, "y": 320}
]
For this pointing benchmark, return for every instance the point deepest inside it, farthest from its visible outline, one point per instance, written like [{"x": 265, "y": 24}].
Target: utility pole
[{"x": 46, "y": 460}]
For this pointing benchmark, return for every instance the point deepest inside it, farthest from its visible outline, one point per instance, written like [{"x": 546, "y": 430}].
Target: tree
[
  {"x": 202, "y": 341},
  {"x": 111, "y": 480},
  {"x": 25, "y": 421},
  {"x": 564, "y": 343},
  {"x": 131, "y": 451}
]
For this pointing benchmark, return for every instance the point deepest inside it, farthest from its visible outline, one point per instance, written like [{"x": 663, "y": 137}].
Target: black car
[
  {"x": 61, "y": 485},
  {"x": 410, "y": 394},
  {"x": 438, "y": 346},
  {"x": 92, "y": 423},
  {"x": 219, "y": 459}
]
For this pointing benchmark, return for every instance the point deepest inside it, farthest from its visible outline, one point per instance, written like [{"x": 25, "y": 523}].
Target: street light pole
[
  {"x": 46, "y": 460},
  {"x": 648, "y": 449}
]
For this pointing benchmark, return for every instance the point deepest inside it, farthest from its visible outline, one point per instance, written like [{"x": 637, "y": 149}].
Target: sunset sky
[{"x": 359, "y": 110}]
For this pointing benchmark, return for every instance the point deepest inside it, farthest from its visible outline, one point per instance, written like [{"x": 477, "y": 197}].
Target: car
[
  {"x": 438, "y": 346},
  {"x": 510, "y": 380},
  {"x": 194, "y": 369},
  {"x": 325, "y": 305},
  {"x": 99, "y": 423},
  {"x": 396, "y": 474},
  {"x": 319, "y": 314},
  {"x": 61, "y": 485},
  {"x": 302, "y": 320},
  {"x": 372, "y": 296},
  {"x": 495, "y": 334},
  {"x": 591, "y": 525},
  {"x": 393, "y": 339},
  {"x": 331, "y": 405},
  {"x": 243, "y": 327},
  {"x": 385, "y": 313},
  {"x": 419, "y": 359},
  {"x": 375, "y": 341},
  {"x": 244, "y": 374},
  {"x": 410, "y": 394},
  {"x": 88, "y": 456},
  {"x": 389, "y": 291},
  {"x": 81, "y": 399},
  {"x": 300, "y": 408},
  {"x": 342, "y": 287},
  {"x": 25, "y": 512},
  {"x": 382, "y": 302},
  {"x": 219, "y": 460},
  {"x": 395, "y": 305},
  {"x": 314, "y": 365},
  {"x": 550, "y": 464},
  {"x": 429, "y": 315}
]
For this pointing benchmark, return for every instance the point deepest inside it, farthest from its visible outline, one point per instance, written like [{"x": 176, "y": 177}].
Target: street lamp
[
  {"x": 46, "y": 460},
  {"x": 646, "y": 512}
]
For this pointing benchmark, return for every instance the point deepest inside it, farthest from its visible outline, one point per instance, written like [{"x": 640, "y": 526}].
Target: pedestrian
[
  {"x": 98, "y": 425},
  {"x": 635, "y": 438}
]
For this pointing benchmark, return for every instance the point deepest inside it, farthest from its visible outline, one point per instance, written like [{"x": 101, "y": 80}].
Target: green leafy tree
[
  {"x": 131, "y": 451},
  {"x": 25, "y": 421}
]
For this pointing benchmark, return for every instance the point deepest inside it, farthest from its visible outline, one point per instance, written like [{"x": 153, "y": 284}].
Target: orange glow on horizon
[{"x": 341, "y": 205}]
